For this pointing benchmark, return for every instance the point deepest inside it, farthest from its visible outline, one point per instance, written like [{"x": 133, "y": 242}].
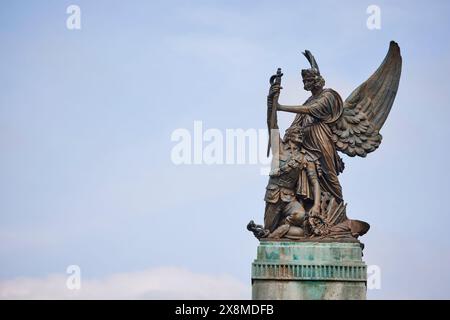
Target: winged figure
[{"x": 304, "y": 197}]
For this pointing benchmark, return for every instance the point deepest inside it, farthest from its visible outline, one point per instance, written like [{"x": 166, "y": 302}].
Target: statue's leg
[
  {"x": 314, "y": 181},
  {"x": 272, "y": 215},
  {"x": 295, "y": 217},
  {"x": 294, "y": 212}
]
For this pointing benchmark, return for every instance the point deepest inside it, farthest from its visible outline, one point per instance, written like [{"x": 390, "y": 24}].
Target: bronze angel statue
[{"x": 304, "y": 197}]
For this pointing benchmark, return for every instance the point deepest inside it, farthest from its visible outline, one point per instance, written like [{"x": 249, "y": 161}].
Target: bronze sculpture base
[{"x": 309, "y": 270}]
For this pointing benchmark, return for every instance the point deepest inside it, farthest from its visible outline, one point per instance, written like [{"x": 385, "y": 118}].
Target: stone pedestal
[{"x": 290, "y": 270}]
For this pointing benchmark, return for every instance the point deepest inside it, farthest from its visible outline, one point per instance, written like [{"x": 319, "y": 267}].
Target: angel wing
[{"x": 356, "y": 132}]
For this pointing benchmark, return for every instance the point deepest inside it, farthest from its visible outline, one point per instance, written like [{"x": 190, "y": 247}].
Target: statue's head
[
  {"x": 311, "y": 77},
  {"x": 294, "y": 134}
]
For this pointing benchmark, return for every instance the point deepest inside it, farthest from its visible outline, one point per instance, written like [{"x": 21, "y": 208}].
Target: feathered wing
[{"x": 356, "y": 132}]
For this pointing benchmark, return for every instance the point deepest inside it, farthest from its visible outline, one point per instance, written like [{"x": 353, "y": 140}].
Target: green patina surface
[{"x": 308, "y": 270}]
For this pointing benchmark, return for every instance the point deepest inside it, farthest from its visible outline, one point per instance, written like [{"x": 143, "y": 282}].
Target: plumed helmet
[{"x": 313, "y": 72}]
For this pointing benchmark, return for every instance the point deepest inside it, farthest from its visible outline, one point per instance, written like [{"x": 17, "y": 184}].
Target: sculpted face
[
  {"x": 312, "y": 79},
  {"x": 309, "y": 83},
  {"x": 296, "y": 137}
]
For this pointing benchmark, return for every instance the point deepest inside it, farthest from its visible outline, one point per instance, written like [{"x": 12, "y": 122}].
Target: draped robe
[{"x": 322, "y": 110}]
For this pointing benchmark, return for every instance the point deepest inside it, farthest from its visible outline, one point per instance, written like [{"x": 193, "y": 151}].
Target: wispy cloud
[{"x": 157, "y": 283}]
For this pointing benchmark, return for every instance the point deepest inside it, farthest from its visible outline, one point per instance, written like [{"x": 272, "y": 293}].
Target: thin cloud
[{"x": 157, "y": 283}]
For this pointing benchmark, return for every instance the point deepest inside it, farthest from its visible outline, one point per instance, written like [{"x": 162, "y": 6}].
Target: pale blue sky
[{"x": 86, "y": 118}]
